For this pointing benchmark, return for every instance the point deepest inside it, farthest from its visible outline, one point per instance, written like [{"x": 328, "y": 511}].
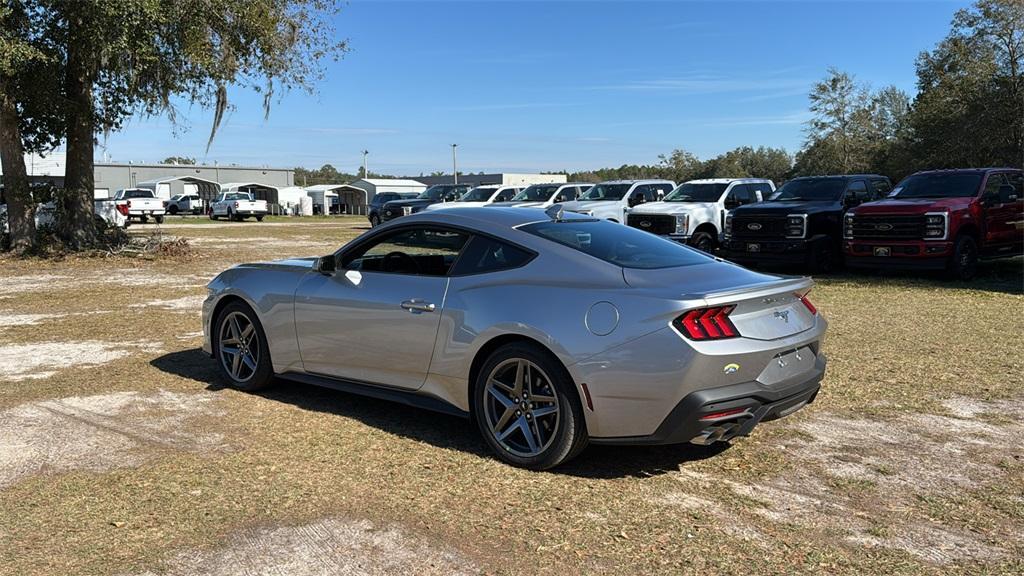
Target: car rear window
[{"x": 617, "y": 244}]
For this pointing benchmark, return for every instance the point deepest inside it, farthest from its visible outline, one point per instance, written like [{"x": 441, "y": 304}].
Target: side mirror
[
  {"x": 635, "y": 199},
  {"x": 326, "y": 265},
  {"x": 1007, "y": 194},
  {"x": 731, "y": 203},
  {"x": 850, "y": 201}
]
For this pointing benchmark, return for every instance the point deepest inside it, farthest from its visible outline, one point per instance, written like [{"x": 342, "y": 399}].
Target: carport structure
[
  {"x": 171, "y": 185},
  {"x": 258, "y": 191},
  {"x": 350, "y": 199}
]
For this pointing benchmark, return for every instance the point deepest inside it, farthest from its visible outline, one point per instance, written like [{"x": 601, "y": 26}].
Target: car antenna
[{"x": 555, "y": 212}]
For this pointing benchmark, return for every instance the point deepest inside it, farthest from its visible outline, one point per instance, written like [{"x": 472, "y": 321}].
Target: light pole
[
  {"x": 455, "y": 164},
  {"x": 365, "y": 173}
]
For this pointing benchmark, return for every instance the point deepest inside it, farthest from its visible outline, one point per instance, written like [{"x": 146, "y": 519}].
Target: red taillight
[
  {"x": 807, "y": 303},
  {"x": 122, "y": 208},
  {"x": 707, "y": 323},
  {"x": 723, "y": 414}
]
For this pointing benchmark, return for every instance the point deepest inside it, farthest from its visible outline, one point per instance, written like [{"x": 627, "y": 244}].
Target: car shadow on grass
[{"x": 440, "y": 430}]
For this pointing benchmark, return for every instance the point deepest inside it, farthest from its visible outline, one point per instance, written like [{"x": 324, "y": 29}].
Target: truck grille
[
  {"x": 889, "y": 227},
  {"x": 758, "y": 226},
  {"x": 654, "y": 223}
]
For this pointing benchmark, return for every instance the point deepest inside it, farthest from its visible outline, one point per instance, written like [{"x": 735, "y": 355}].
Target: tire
[
  {"x": 172, "y": 210},
  {"x": 230, "y": 216},
  {"x": 212, "y": 216},
  {"x": 259, "y": 218},
  {"x": 963, "y": 265},
  {"x": 703, "y": 241},
  {"x": 554, "y": 436},
  {"x": 233, "y": 321},
  {"x": 159, "y": 219},
  {"x": 143, "y": 219},
  {"x": 822, "y": 260},
  {"x": 374, "y": 221}
]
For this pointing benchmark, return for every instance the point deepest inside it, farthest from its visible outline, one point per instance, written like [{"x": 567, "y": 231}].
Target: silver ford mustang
[{"x": 549, "y": 329}]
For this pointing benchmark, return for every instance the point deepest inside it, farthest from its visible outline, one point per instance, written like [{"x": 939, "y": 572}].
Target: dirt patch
[
  {"x": 861, "y": 479},
  {"x": 8, "y": 319},
  {"x": 101, "y": 432},
  {"x": 183, "y": 304},
  {"x": 325, "y": 548},
  {"x": 44, "y": 359},
  {"x": 32, "y": 282}
]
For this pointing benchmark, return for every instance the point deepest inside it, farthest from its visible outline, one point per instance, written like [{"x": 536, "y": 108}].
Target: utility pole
[
  {"x": 455, "y": 164},
  {"x": 365, "y": 173}
]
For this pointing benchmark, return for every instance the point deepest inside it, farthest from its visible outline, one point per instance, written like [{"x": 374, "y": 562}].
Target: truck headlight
[
  {"x": 682, "y": 223},
  {"x": 936, "y": 225},
  {"x": 848, "y": 227},
  {"x": 796, "y": 225},
  {"x": 728, "y": 226}
]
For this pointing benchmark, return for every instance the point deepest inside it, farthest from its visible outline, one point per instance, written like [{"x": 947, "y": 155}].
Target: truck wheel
[
  {"x": 822, "y": 260},
  {"x": 259, "y": 218},
  {"x": 374, "y": 221},
  {"x": 172, "y": 210},
  {"x": 703, "y": 241},
  {"x": 159, "y": 219},
  {"x": 143, "y": 219},
  {"x": 964, "y": 263},
  {"x": 212, "y": 216}
]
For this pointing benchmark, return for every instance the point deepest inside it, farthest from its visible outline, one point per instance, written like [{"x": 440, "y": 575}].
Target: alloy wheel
[
  {"x": 521, "y": 408},
  {"x": 239, "y": 346}
]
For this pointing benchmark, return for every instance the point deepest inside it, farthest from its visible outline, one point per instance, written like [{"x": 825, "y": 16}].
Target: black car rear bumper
[{"x": 756, "y": 402}]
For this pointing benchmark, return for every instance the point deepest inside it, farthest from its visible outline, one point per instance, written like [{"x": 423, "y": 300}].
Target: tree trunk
[
  {"x": 79, "y": 227},
  {"x": 20, "y": 206}
]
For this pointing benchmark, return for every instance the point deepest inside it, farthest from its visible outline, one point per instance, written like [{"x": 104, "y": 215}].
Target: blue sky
[{"x": 530, "y": 86}]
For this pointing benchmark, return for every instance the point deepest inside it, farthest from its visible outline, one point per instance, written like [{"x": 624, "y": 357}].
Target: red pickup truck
[{"x": 940, "y": 220}]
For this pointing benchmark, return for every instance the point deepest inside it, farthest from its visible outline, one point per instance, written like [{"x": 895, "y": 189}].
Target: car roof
[
  {"x": 966, "y": 170},
  {"x": 485, "y": 217},
  {"x": 724, "y": 180},
  {"x": 640, "y": 181},
  {"x": 840, "y": 176}
]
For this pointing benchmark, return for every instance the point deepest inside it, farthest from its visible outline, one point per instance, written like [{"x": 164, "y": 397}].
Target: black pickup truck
[
  {"x": 433, "y": 195},
  {"x": 801, "y": 224}
]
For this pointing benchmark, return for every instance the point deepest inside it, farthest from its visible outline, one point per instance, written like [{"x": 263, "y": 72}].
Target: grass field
[{"x": 121, "y": 452}]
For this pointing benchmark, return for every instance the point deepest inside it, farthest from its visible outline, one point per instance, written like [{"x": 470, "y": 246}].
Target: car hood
[
  {"x": 445, "y": 205},
  {"x": 287, "y": 263},
  {"x": 414, "y": 203},
  {"x": 585, "y": 204},
  {"x": 912, "y": 206},
  {"x": 519, "y": 204},
  {"x": 674, "y": 207},
  {"x": 786, "y": 207}
]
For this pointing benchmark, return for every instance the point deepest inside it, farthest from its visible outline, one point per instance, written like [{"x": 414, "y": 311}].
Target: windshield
[
  {"x": 960, "y": 185},
  {"x": 620, "y": 245},
  {"x": 606, "y": 192},
  {"x": 813, "y": 189},
  {"x": 480, "y": 194},
  {"x": 535, "y": 193},
  {"x": 432, "y": 193},
  {"x": 138, "y": 194},
  {"x": 697, "y": 193}
]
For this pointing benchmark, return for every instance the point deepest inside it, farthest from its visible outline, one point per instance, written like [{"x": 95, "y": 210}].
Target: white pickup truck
[
  {"x": 106, "y": 211},
  {"x": 237, "y": 206},
  {"x": 695, "y": 212},
  {"x": 141, "y": 203},
  {"x": 614, "y": 199}
]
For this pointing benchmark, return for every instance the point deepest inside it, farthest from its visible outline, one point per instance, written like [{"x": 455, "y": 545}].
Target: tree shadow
[{"x": 440, "y": 430}]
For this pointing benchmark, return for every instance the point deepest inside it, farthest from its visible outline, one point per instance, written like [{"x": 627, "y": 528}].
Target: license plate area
[
  {"x": 883, "y": 251},
  {"x": 753, "y": 247},
  {"x": 787, "y": 365}
]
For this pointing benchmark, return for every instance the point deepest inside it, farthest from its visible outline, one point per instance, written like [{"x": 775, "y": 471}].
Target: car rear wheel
[
  {"x": 259, "y": 218},
  {"x": 374, "y": 221},
  {"x": 964, "y": 263},
  {"x": 159, "y": 219},
  {"x": 241, "y": 348},
  {"x": 527, "y": 409}
]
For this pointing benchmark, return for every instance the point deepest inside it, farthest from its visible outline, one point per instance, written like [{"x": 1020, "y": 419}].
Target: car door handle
[{"x": 418, "y": 306}]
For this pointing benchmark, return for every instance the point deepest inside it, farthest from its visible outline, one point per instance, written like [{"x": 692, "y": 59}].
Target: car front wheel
[
  {"x": 703, "y": 241},
  {"x": 527, "y": 409},
  {"x": 374, "y": 221},
  {"x": 964, "y": 264},
  {"x": 241, "y": 348}
]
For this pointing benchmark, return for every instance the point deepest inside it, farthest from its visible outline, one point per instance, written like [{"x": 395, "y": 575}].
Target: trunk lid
[{"x": 767, "y": 306}]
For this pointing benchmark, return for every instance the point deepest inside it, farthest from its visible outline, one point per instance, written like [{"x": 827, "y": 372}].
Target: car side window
[
  {"x": 651, "y": 193},
  {"x": 484, "y": 254},
  {"x": 856, "y": 192},
  {"x": 505, "y": 195},
  {"x": 567, "y": 194},
  {"x": 425, "y": 251},
  {"x": 759, "y": 187},
  {"x": 880, "y": 189},
  {"x": 1016, "y": 180}
]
